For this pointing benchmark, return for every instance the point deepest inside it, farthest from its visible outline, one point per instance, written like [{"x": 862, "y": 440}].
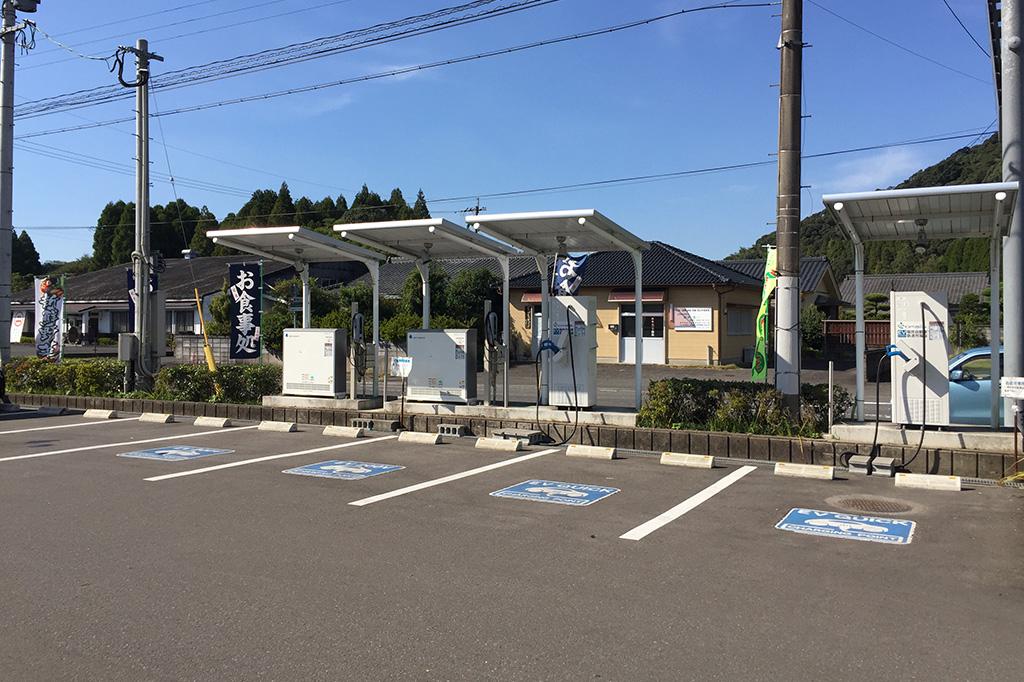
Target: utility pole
[
  {"x": 1012, "y": 129},
  {"x": 787, "y": 296},
  {"x": 142, "y": 264},
  {"x": 7, "y": 162}
]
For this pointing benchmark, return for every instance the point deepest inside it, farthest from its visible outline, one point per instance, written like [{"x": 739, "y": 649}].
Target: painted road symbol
[
  {"x": 556, "y": 492},
  {"x": 848, "y": 526},
  {"x": 175, "y": 453},
  {"x": 343, "y": 469}
]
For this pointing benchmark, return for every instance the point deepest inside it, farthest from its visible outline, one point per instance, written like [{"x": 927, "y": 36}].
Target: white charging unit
[
  {"x": 582, "y": 324},
  {"x": 314, "y": 362},
  {"x": 443, "y": 365},
  {"x": 919, "y": 324}
]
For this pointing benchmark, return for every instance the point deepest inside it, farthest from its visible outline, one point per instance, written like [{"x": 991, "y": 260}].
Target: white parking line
[
  {"x": 205, "y": 470},
  {"x": 447, "y": 479},
  {"x": 645, "y": 529},
  {"x": 214, "y": 432},
  {"x": 70, "y": 426}
]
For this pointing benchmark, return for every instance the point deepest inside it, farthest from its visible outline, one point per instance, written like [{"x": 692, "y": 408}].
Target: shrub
[
  {"x": 743, "y": 407},
  {"x": 245, "y": 384},
  {"x": 97, "y": 377},
  {"x": 191, "y": 383}
]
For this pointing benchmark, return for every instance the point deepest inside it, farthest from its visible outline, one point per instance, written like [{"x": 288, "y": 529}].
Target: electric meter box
[
  {"x": 443, "y": 365},
  {"x": 918, "y": 324},
  {"x": 314, "y": 362},
  {"x": 576, "y": 315}
]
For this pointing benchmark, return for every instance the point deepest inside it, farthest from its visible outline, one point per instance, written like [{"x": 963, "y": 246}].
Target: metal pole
[
  {"x": 858, "y": 334},
  {"x": 1012, "y": 129},
  {"x": 140, "y": 258},
  {"x": 306, "y": 305},
  {"x": 423, "y": 267},
  {"x": 545, "y": 311},
  {"x": 352, "y": 392},
  {"x": 375, "y": 274},
  {"x": 994, "y": 333},
  {"x": 831, "y": 414},
  {"x": 787, "y": 296},
  {"x": 506, "y": 332},
  {"x": 638, "y": 329},
  {"x": 6, "y": 175}
]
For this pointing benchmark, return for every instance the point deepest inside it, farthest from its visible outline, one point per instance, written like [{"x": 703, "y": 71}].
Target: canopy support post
[
  {"x": 374, "y": 268},
  {"x": 306, "y": 314},
  {"x": 423, "y": 267},
  {"x": 506, "y": 332},
  {"x": 638, "y": 385},
  {"x": 995, "y": 331},
  {"x": 545, "y": 311},
  {"x": 859, "y": 340}
]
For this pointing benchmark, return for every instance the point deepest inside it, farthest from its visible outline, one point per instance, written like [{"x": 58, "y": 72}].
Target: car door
[{"x": 970, "y": 393}]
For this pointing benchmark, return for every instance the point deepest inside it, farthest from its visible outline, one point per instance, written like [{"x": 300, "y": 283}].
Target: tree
[
  {"x": 367, "y": 207},
  {"x": 123, "y": 242},
  {"x": 419, "y": 208},
  {"x": 200, "y": 243},
  {"x": 876, "y": 307},
  {"x": 255, "y": 212},
  {"x": 812, "y": 335},
  {"x": 969, "y": 323},
  {"x": 466, "y": 292},
  {"x": 103, "y": 237},
  {"x": 340, "y": 208},
  {"x": 397, "y": 207},
  {"x": 283, "y": 210},
  {"x": 24, "y": 257},
  {"x": 411, "y": 301},
  {"x": 306, "y": 213}
]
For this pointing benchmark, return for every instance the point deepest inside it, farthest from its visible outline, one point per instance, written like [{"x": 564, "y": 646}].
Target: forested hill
[{"x": 820, "y": 236}]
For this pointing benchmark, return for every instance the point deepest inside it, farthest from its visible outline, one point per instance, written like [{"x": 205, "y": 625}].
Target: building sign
[
  {"x": 17, "y": 326},
  {"x": 244, "y": 291},
  {"x": 691, "y": 319},
  {"x": 1012, "y": 388},
  {"x": 49, "y": 317}
]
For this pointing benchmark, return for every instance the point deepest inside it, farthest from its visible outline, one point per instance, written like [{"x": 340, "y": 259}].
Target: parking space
[{"x": 395, "y": 560}]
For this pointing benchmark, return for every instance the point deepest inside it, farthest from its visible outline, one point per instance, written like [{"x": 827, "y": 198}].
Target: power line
[
  {"x": 966, "y": 30},
  {"x": 898, "y": 45},
  {"x": 409, "y": 69},
  {"x": 636, "y": 179},
  {"x": 401, "y": 29},
  {"x": 188, "y": 5}
]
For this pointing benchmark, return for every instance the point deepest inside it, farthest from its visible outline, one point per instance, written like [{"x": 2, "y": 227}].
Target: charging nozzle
[{"x": 892, "y": 350}]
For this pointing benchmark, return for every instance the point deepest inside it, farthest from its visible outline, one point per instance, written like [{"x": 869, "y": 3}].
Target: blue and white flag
[{"x": 568, "y": 275}]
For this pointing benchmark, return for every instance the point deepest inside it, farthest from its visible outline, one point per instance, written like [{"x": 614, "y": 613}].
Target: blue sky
[{"x": 689, "y": 92}]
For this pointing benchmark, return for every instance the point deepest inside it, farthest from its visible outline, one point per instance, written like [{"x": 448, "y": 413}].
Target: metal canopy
[
  {"x": 422, "y": 240},
  {"x": 546, "y": 232},
  {"x": 299, "y": 247},
  {"x": 292, "y": 245},
  {"x": 542, "y": 233},
  {"x": 951, "y": 212}
]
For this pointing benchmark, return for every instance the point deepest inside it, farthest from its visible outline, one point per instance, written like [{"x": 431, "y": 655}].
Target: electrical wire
[
  {"x": 898, "y": 46},
  {"x": 188, "y": 5},
  {"x": 966, "y": 30}
]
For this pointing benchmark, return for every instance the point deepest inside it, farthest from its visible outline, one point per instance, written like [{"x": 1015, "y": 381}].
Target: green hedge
[
  {"x": 243, "y": 384},
  {"x": 742, "y": 407},
  {"x": 96, "y": 377}
]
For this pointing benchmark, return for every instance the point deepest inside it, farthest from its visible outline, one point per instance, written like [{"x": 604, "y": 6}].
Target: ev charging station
[
  {"x": 919, "y": 215},
  {"x": 443, "y": 361},
  {"x": 314, "y": 360}
]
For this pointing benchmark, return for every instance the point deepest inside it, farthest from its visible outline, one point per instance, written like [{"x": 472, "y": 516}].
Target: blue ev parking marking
[
  {"x": 848, "y": 526},
  {"x": 175, "y": 453},
  {"x": 556, "y": 492},
  {"x": 346, "y": 470}
]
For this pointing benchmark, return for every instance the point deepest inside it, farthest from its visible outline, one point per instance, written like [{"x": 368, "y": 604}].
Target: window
[
  {"x": 184, "y": 322},
  {"x": 118, "y": 321},
  {"x": 653, "y": 320},
  {"x": 978, "y": 369},
  {"x": 740, "y": 321}
]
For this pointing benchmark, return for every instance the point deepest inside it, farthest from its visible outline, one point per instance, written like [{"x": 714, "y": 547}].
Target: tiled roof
[
  {"x": 110, "y": 284},
  {"x": 812, "y": 269},
  {"x": 955, "y": 284},
  {"x": 664, "y": 265},
  {"x": 393, "y": 275}
]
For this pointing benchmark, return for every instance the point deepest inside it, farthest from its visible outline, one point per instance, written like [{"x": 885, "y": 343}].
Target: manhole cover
[{"x": 873, "y": 505}]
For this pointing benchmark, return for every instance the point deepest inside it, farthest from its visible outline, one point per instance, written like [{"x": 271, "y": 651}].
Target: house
[
  {"x": 818, "y": 285},
  {"x": 954, "y": 284}
]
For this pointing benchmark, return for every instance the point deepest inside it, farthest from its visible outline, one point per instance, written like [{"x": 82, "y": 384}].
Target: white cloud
[
  {"x": 865, "y": 173},
  {"x": 321, "y": 103}
]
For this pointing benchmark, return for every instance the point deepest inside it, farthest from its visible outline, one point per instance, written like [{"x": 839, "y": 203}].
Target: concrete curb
[
  {"x": 100, "y": 414},
  {"x": 929, "y": 482},
  {"x": 156, "y": 418},
  {"x": 52, "y": 411},
  {"x": 825, "y": 473},
  {"x": 280, "y": 427},
  {"x": 678, "y": 459},
  {"x": 419, "y": 437},
  {"x": 500, "y": 444},
  {"x": 590, "y": 452},
  {"x": 216, "y": 422},
  {"x": 345, "y": 431}
]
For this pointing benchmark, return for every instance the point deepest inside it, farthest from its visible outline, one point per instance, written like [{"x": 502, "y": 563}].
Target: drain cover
[{"x": 874, "y": 505}]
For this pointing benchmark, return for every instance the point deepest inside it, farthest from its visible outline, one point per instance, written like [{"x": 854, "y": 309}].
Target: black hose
[
  {"x": 924, "y": 387},
  {"x": 575, "y": 388},
  {"x": 844, "y": 457}
]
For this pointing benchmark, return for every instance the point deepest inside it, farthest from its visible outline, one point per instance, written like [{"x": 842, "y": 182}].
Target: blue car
[{"x": 970, "y": 386}]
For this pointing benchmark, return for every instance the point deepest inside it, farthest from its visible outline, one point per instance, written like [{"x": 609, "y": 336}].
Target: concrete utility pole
[
  {"x": 7, "y": 163},
  {"x": 787, "y": 296},
  {"x": 142, "y": 264},
  {"x": 1012, "y": 129}
]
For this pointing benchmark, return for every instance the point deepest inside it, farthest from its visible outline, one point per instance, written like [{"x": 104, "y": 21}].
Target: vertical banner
[
  {"x": 246, "y": 304},
  {"x": 49, "y": 317},
  {"x": 759, "y": 370},
  {"x": 17, "y": 326},
  {"x": 568, "y": 275}
]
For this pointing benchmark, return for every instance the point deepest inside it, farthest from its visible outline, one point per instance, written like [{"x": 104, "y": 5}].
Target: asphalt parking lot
[{"x": 224, "y": 567}]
